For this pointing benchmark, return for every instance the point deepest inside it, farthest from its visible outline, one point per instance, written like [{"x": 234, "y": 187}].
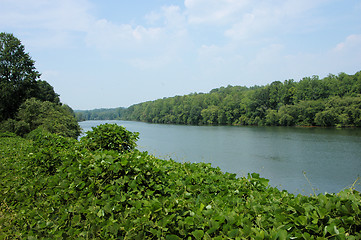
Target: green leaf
[
  {"x": 282, "y": 234},
  {"x": 172, "y": 237},
  {"x": 233, "y": 233},
  {"x": 198, "y": 234},
  {"x": 100, "y": 213}
]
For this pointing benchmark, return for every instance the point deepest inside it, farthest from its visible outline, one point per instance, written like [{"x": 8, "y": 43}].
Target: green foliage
[
  {"x": 34, "y": 113},
  {"x": 69, "y": 192},
  {"x": 7, "y": 134},
  {"x": 25, "y": 101},
  {"x": 19, "y": 79},
  {"x": 18, "y": 127},
  {"x": 332, "y": 101},
  {"x": 110, "y": 137},
  {"x": 99, "y": 114},
  {"x": 48, "y": 150},
  {"x": 45, "y": 92}
]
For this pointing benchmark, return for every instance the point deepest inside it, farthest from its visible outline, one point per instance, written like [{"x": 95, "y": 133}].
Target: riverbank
[
  {"x": 330, "y": 157},
  {"x": 104, "y": 194}
]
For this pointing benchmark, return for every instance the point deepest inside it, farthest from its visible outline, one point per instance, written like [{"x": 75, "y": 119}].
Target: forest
[
  {"x": 99, "y": 114},
  {"x": 26, "y": 101},
  {"x": 334, "y": 101}
]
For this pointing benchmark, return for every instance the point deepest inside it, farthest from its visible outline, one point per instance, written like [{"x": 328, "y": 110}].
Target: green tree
[
  {"x": 50, "y": 116},
  {"x": 17, "y": 75},
  {"x": 210, "y": 115},
  {"x": 272, "y": 118},
  {"x": 45, "y": 92},
  {"x": 19, "y": 80}
]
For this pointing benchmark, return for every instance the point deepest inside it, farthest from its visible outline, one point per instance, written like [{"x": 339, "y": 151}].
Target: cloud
[
  {"x": 351, "y": 44},
  {"x": 41, "y": 14},
  {"x": 107, "y": 36},
  {"x": 46, "y": 23},
  {"x": 143, "y": 47},
  {"x": 213, "y": 11},
  {"x": 345, "y": 54},
  {"x": 270, "y": 17},
  {"x": 60, "y": 24}
]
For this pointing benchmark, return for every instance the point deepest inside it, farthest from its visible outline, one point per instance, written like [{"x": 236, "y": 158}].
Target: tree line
[
  {"x": 332, "y": 101},
  {"x": 99, "y": 114},
  {"x": 26, "y": 101}
]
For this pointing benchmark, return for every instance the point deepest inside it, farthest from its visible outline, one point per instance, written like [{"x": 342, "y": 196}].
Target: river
[{"x": 296, "y": 159}]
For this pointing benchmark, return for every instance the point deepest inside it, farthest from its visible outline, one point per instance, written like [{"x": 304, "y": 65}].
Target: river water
[{"x": 298, "y": 160}]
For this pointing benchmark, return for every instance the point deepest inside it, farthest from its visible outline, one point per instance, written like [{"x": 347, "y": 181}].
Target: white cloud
[
  {"x": 107, "y": 36},
  {"x": 245, "y": 19},
  {"x": 351, "y": 44},
  {"x": 153, "y": 18},
  {"x": 51, "y": 15},
  {"x": 266, "y": 17},
  {"x": 345, "y": 54},
  {"x": 173, "y": 17},
  {"x": 213, "y": 11},
  {"x": 142, "y": 46},
  {"x": 45, "y": 23}
]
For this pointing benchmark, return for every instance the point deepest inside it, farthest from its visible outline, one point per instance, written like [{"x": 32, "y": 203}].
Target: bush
[
  {"x": 49, "y": 150},
  {"x": 7, "y": 135},
  {"x": 110, "y": 137},
  {"x": 133, "y": 195}
]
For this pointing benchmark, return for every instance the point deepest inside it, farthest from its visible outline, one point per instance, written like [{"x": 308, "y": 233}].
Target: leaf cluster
[
  {"x": 54, "y": 187},
  {"x": 34, "y": 113},
  {"x": 110, "y": 137}
]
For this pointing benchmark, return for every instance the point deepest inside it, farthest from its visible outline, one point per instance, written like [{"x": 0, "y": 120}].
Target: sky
[{"x": 115, "y": 53}]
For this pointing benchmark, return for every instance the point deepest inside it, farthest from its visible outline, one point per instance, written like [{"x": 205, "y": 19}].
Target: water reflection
[{"x": 331, "y": 158}]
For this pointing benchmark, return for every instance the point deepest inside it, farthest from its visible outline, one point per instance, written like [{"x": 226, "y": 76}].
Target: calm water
[{"x": 331, "y": 158}]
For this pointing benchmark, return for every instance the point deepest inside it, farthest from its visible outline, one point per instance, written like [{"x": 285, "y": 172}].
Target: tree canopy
[
  {"x": 332, "y": 101},
  {"x": 26, "y": 101},
  {"x": 19, "y": 80}
]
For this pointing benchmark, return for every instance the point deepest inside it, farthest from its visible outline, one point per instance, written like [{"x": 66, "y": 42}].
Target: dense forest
[
  {"x": 26, "y": 101},
  {"x": 99, "y": 114},
  {"x": 332, "y": 101}
]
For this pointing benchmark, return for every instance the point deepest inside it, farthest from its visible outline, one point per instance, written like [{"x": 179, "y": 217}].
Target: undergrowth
[{"x": 56, "y": 188}]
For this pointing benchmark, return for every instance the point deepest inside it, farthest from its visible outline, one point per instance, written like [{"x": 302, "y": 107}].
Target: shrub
[
  {"x": 110, "y": 137},
  {"x": 110, "y": 195},
  {"x": 7, "y": 135},
  {"x": 53, "y": 117},
  {"x": 49, "y": 150}
]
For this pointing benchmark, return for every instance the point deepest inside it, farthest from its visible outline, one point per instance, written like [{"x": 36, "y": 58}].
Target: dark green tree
[
  {"x": 45, "y": 92},
  {"x": 18, "y": 76},
  {"x": 54, "y": 118},
  {"x": 19, "y": 80}
]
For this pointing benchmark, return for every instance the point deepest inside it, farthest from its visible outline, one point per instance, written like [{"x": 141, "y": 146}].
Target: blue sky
[{"x": 112, "y": 53}]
